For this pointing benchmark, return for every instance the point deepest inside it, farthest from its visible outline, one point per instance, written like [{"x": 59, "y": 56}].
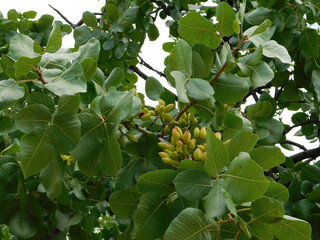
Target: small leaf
[
  {"x": 181, "y": 81},
  {"x": 153, "y": 88},
  {"x": 52, "y": 177},
  {"x": 311, "y": 173},
  {"x": 262, "y": 27},
  {"x": 260, "y": 74},
  {"x": 272, "y": 49},
  {"x": 21, "y": 46},
  {"x": 89, "y": 19},
  {"x": 217, "y": 155},
  {"x": 190, "y": 224},
  {"x": 192, "y": 184},
  {"x": 199, "y": 89},
  {"x": 196, "y": 29},
  {"x": 267, "y": 210},
  {"x": 278, "y": 192},
  {"x": 10, "y": 92},
  {"x": 225, "y": 16},
  {"x": 153, "y": 32},
  {"x": 291, "y": 228},
  {"x": 244, "y": 141},
  {"x": 267, "y": 156},
  {"x": 22, "y": 225},
  {"x": 55, "y": 39},
  {"x": 244, "y": 180},
  {"x": 151, "y": 217},
  {"x": 69, "y": 103},
  {"x": 309, "y": 42},
  {"x": 214, "y": 203},
  {"x": 159, "y": 181},
  {"x": 89, "y": 66},
  {"x": 180, "y": 58},
  {"x": 123, "y": 202},
  {"x": 116, "y": 76}
]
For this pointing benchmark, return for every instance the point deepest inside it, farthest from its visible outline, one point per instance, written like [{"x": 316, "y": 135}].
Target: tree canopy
[{"x": 82, "y": 156}]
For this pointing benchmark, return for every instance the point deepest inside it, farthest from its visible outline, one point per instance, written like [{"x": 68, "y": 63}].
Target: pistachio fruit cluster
[
  {"x": 161, "y": 111},
  {"x": 120, "y": 138},
  {"x": 183, "y": 146}
]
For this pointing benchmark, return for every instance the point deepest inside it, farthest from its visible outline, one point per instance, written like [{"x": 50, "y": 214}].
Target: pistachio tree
[{"x": 84, "y": 155}]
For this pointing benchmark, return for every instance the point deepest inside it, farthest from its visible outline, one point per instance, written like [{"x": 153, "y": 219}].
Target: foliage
[{"x": 83, "y": 156}]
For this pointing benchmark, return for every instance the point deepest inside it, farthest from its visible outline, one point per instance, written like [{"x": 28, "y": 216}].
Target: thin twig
[
  {"x": 147, "y": 65},
  {"x": 300, "y": 125},
  {"x": 63, "y": 17},
  {"x": 295, "y": 144}
]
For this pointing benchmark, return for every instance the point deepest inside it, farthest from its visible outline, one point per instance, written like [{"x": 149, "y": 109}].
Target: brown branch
[
  {"x": 311, "y": 153},
  {"x": 144, "y": 76},
  {"x": 63, "y": 17},
  {"x": 147, "y": 65},
  {"x": 295, "y": 144},
  {"x": 300, "y": 125},
  {"x": 39, "y": 73}
]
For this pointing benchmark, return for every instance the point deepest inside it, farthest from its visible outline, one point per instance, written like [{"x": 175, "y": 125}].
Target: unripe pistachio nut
[
  {"x": 179, "y": 130},
  {"x": 192, "y": 144},
  {"x": 202, "y": 148},
  {"x": 132, "y": 138},
  {"x": 164, "y": 154},
  {"x": 169, "y": 107},
  {"x": 168, "y": 117},
  {"x": 145, "y": 117},
  {"x": 218, "y": 135},
  {"x": 161, "y": 102},
  {"x": 196, "y": 132},
  {"x": 203, "y": 132},
  {"x": 197, "y": 154},
  {"x": 186, "y": 137}
]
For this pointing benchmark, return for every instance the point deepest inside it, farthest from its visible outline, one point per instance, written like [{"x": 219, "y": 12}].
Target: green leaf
[
  {"x": 21, "y": 46},
  {"x": 5, "y": 125},
  {"x": 273, "y": 126},
  {"x": 192, "y": 184},
  {"x": 110, "y": 158},
  {"x": 198, "y": 66},
  {"x": 116, "y": 106},
  {"x": 230, "y": 88},
  {"x": 89, "y": 66},
  {"x": 272, "y": 49},
  {"x": 181, "y": 81},
  {"x": 253, "y": 58},
  {"x": 267, "y": 156},
  {"x": 55, "y": 39},
  {"x": 267, "y": 210},
  {"x": 225, "y": 16},
  {"x": 69, "y": 82},
  {"x": 32, "y": 117},
  {"x": 116, "y": 76},
  {"x": 217, "y": 155},
  {"x": 151, "y": 217},
  {"x": 190, "y": 224},
  {"x": 153, "y": 32},
  {"x": 65, "y": 129},
  {"x": 277, "y": 191},
  {"x": 260, "y": 110},
  {"x": 41, "y": 98},
  {"x": 260, "y": 74},
  {"x": 10, "y": 92},
  {"x": 180, "y": 58},
  {"x": 315, "y": 82},
  {"x": 91, "y": 49},
  {"x": 22, "y": 225},
  {"x": 25, "y": 64},
  {"x": 233, "y": 123},
  {"x": 291, "y": 228},
  {"x": 159, "y": 181},
  {"x": 207, "y": 57},
  {"x": 262, "y": 27},
  {"x": 214, "y": 202},
  {"x": 244, "y": 141},
  {"x": 244, "y": 180},
  {"x": 37, "y": 151},
  {"x": 309, "y": 42},
  {"x": 196, "y": 29},
  {"x": 69, "y": 103},
  {"x": 123, "y": 202},
  {"x": 153, "y": 88},
  {"x": 199, "y": 89},
  {"x": 52, "y": 177},
  {"x": 89, "y": 19},
  {"x": 311, "y": 173},
  {"x": 259, "y": 15}
]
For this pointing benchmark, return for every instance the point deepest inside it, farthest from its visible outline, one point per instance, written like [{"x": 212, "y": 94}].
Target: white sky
[{"x": 151, "y": 52}]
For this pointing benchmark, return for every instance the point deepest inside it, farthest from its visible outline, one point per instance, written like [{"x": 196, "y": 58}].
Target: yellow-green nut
[
  {"x": 145, "y": 117},
  {"x": 132, "y": 138},
  {"x": 164, "y": 154},
  {"x": 196, "y": 132},
  {"x": 203, "y": 157},
  {"x": 184, "y": 116},
  {"x": 179, "y": 145},
  {"x": 179, "y": 130},
  {"x": 166, "y": 130},
  {"x": 218, "y": 135},
  {"x": 185, "y": 150},
  {"x": 152, "y": 113},
  {"x": 226, "y": 143},
  {"x": 168, "y": 117},
  {"x": 145, "y": 110},
  {"x": 162, "y": 145},
  {"x": 183, "y": 122},
  {"x": 166, "y": 160},
  {"x": 169, "y": 107},
  {"x": 167, "y": 151},
  {"x": 175, "y": 133},
  {"x": 171, "y": 147},
  {"x": 121, "y": 141},
  {"x": 161, "y": 109},
  {"x": 186, "y": 137},
  {"x": 192, "y": 144},
  {"x": 174, "y": 155},
  {"x": 197, "y": 154},
  {"x": 203, "y": 132},
  {"x": 161, "y": 102},
  {"x": 202, "y": 148}
]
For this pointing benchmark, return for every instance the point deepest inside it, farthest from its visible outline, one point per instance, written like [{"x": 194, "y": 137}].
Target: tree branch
[
  {"x": 295, "y": 144},
  {"x": 311, "y": 153},
  {"x": 65, "y": 18},
  {"x": 300, "y": 125},
  {"x": 147, "y": 65}
]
